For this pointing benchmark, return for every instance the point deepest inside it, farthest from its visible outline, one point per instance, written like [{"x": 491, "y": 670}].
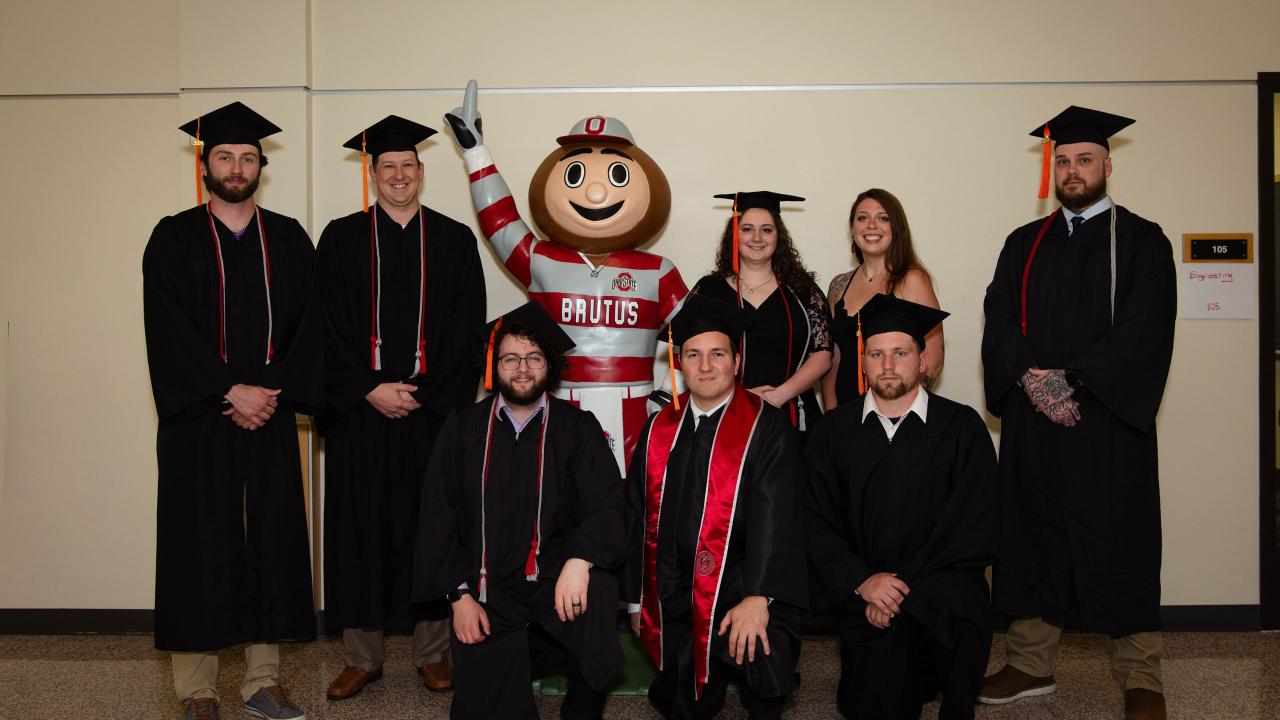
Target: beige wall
[{"x": 76, "y": 422}]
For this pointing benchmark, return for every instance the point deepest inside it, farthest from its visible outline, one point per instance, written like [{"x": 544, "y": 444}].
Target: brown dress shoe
[
  {"x": 1012, "y": 684},
  {"x": 350, "y": 682},
  {"x": 438, "y": 677},
  {"x": 1143, "y": 704}
]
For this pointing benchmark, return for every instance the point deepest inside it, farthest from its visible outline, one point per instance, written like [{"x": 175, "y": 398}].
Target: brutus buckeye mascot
[{"x": 596, "y": 197}]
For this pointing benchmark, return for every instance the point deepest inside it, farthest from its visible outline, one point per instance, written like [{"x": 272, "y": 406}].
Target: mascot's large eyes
[
  {"x": 619, "y": 174},
  {"x": 574, "y": 174}
]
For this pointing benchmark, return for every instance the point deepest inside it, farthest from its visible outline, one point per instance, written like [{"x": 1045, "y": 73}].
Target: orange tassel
[
  {"x": 199, "y": 149},
  {"x": 1046, "y": 164},
  {"x": 862, "y": 379},
  {"x": 735, "y": 234},
  {"x": 488, "y": 356},
  {"x": 671, "y": 362},
  {"x": 364, "y": 179}
]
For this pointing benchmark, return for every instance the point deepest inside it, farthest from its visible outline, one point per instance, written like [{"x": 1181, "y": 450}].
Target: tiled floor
[{"x": 1231, "y": 676}]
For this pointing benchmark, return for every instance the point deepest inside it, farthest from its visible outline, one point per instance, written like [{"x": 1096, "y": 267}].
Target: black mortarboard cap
[
  {"x": 234, "y": 124},
  {"x": 886, "y": 313},
  {"x": 390, "y": 134},
  {"x": 765, "y": 199},
  {"x": 701, "y": 313},
  {"x": 1079, "y": 124},
  {"x": 532, "y": 316}
]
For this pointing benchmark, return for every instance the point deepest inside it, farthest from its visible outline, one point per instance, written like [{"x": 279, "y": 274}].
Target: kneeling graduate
[
  {"x": 715, "y": 571},
  {"x": 900, "y": 515},
  {"x": 521, "y": 520}
]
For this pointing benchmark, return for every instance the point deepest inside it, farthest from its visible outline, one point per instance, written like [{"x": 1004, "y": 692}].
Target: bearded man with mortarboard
[
  {"x": 900, "y": 509},
  {"x": 715, "y": 575},
  {"x": 1076, "y": 351},
  {"x": 234, "y": 351},
  {"x": 402, "y": 290},
  {"x": 521, "y": 526}
]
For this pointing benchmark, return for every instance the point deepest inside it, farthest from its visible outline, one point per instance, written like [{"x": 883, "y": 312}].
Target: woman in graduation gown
[
  {"x": 787, "y": 348},
  {"x": 887, "y": 264}
]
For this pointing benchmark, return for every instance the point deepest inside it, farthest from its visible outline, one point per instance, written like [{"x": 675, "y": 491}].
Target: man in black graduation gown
[
  {"x": 900, "y": 515},
  {"x": 403, "y": 290},
  {"x": 715, "y": 575},
  {"x": 522, "y": 522},
  {"x": 1076, "y": 350},
  {"x": 234, "y": 352}
]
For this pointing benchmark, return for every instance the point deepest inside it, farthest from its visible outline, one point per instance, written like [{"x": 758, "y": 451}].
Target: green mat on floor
[{"x": 634, "y": 679}]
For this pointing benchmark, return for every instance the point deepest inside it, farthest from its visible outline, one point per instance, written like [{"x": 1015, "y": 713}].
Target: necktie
[{"x": 1076, "y": 222}]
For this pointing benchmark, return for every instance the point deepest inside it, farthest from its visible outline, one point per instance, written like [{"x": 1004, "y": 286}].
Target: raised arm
[{"x": 499, "y": 219}]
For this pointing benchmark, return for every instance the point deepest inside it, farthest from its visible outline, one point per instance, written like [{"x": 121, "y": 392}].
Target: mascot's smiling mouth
[{"x": 603, "y": 213}]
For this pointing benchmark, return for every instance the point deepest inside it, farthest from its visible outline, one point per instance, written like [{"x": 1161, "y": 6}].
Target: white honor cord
[
  {"x": 1114, "y": 212},
  {"x": 422, "y": 288},
  {"x": 266, "y": 283},
  {"x": 377, "y": 309}
]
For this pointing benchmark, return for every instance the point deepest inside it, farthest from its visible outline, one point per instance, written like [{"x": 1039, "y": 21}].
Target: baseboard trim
[
  {"x": 1212, "y": 618},
  {"x": 66, "y": 621},
  {"x": 1192, "y": 618}
]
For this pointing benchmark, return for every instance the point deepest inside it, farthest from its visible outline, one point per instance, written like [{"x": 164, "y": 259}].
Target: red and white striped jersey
[{"x": 613, "y": 311}]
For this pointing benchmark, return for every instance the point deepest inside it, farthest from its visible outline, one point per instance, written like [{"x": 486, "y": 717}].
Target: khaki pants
[
  {"x": 1032, "y": 647},
  {"x": 365, "y": 649},
  {"x": 195, "y": 675}
]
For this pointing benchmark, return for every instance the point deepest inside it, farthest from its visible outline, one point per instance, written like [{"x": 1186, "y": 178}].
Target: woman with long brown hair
[
  {"x": 787, "y": 349},
  {"x": 887, "y": 263}
]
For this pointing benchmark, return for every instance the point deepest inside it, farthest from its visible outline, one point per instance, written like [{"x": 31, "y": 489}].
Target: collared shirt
[
  {"x": 698, "y": 413},
  {"x": 1093, "y": 210},
  {"x": 920, "y": 407},
  {"x": 519, "y": 426}
]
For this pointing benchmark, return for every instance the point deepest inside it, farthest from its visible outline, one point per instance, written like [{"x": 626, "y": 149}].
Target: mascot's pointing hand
[{"x": 465, "y": 120}]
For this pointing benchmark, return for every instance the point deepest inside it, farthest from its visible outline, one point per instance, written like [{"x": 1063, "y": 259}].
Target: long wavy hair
[
  {"x": 901, "y": 255},
  {"x": 786, "y": 262}
]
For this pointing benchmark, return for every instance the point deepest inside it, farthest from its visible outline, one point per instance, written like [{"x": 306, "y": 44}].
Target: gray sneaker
[
  {"x": 270, "y": 703},
  {"x": 200, "y": 709}
]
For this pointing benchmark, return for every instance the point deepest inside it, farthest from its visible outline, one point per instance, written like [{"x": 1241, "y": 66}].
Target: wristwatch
[{"x": 454, "y": 596}]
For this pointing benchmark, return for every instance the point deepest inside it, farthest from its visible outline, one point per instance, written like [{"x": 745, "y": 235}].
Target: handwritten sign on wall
[{"x": 1218, "y": 290}]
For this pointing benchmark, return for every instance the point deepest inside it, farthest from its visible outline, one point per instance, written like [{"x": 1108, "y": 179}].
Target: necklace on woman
[
  {"x": 751, "y": 290},
  {"x": 867, "y": 274}
]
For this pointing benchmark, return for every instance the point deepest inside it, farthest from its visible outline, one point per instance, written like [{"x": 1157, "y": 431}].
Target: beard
[
  {"x": 515, "y": 397},
  {"x": 219, "y": 187},
  {"x": 1078, "y": 200},
  {"x": 892, "y": 387}
]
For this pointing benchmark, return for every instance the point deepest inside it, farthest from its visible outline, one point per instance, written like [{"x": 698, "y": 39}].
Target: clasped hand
[
  {"x": 1050, "y": 393},
  {"x": 251, "y": 406},
  {"x": 884, "y": 593},
  {"x": 394, "y": 400}
]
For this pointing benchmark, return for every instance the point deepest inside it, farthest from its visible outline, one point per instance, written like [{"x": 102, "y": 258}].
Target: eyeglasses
[{"x": 534, "y": 361}]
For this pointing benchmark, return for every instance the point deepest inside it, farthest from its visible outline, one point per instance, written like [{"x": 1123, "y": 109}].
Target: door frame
[{"x": 1269, "y": 476}]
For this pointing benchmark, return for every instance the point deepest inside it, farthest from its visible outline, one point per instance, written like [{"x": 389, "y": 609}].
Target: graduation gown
[
  {"x": 765, "y": 552},
  {"x": 581, "y": 516},
  {"x": 1080, "y": 506},
  {"x": 374, "y": 465},
  {"x": 790, "y": 325},
  {"x": 922, "y": 506},
  {"x": 232, "y": 557}
]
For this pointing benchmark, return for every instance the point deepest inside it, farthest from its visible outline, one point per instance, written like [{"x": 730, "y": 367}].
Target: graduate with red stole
[{"x": 716, "y": 570}]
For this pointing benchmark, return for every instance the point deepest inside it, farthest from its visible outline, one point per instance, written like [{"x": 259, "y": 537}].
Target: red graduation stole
[{"x": 723, "y": 478}]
